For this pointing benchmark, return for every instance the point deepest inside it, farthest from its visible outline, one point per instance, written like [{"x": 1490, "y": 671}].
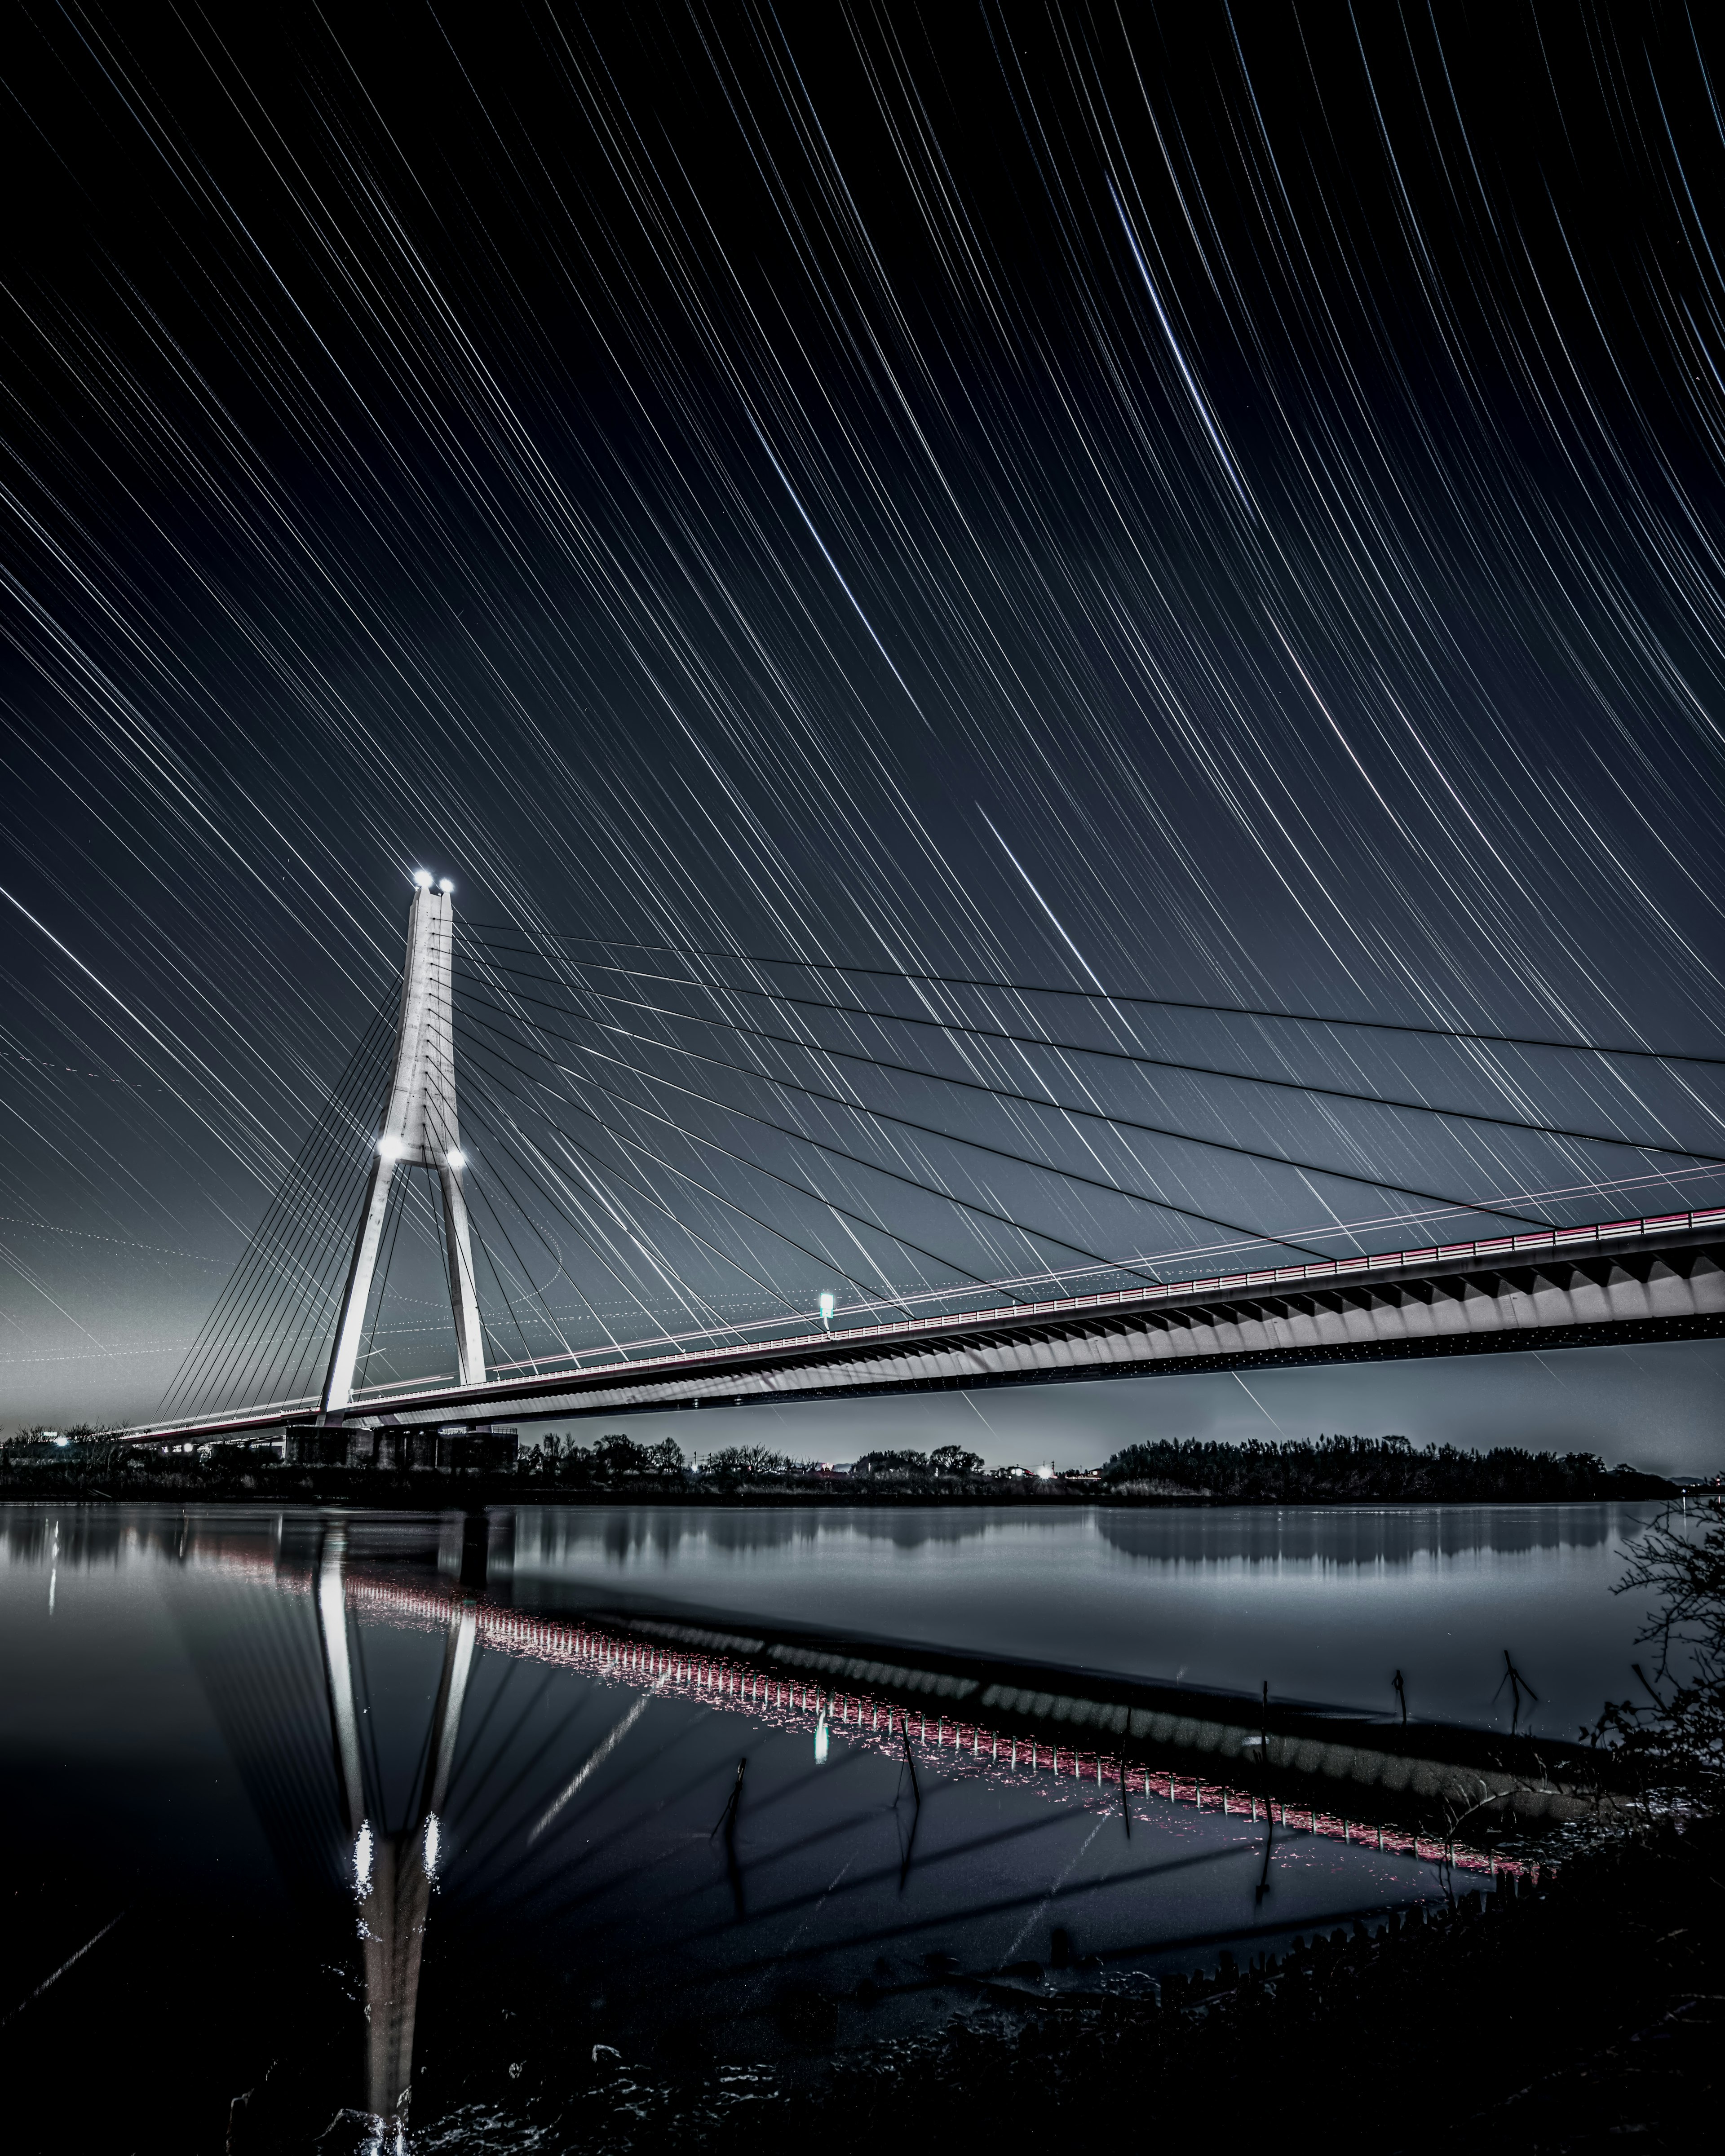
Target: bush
[
  {"x": 1673, "y": 1742},
  {"x": 893, "y": 1463},
  {"x": 612, "y": 1459},
  {"x": 746, "y": 1463}
]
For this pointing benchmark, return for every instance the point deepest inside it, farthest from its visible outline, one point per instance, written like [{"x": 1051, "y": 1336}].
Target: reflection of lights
[
  {"x": 820, "y": 1741},
  {"x": 362, "y": 1861},
  {"x": 391, "y": 1148},
  {"x": 434, "y": 1842},
  {"x": 423, "y": 878},
  {"x": 385, "y": 2137}
]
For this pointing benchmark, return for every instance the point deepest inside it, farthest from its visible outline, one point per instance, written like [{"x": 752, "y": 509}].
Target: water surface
[
  {"x": 240, "y": 1749},
  {"x": 1325, "y": 1604}
]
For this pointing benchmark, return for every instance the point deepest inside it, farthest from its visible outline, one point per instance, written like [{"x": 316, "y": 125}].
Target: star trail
[{"x": 1046, "y": 645}]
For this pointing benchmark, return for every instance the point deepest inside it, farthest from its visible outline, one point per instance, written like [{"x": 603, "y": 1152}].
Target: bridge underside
[
  {"x": 1662, "y": 1288},
  {"x": 1088, "y": 1371},
  {"x": 1631, "y": 1283}
]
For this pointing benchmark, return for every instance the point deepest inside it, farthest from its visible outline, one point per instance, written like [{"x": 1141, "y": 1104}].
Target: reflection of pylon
[
  {"x": 420, "y": 1130},
  {"x": 392, "y": 1873}
]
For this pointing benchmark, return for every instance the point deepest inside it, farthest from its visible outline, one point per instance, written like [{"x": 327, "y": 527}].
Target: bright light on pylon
[
  {"x": 455, "y": 1157},
  {"x": 423, "y": 878},
  {"x": 392, "y": 1148},
  {"x": 447, "y": 888}
]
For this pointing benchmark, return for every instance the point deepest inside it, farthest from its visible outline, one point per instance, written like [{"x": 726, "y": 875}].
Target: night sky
[{"x": 1217, "y": 507}]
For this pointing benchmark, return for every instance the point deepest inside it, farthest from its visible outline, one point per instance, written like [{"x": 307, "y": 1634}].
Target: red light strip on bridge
[
  {"x": 861, "y": 1336},
  {"x": 790, "y": 1703}
]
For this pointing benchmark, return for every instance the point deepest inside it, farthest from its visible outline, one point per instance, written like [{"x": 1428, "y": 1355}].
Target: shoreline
[{"x": 437, "y": 1489}]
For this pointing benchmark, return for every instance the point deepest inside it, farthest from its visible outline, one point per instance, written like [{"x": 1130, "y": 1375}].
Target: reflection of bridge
[
  {"x": 393, "y": 1871},
  {"x": 1118, "y": 1749},
  {"x": 317, "y": 1268},
  {"x": 1183, "y": 1744}
]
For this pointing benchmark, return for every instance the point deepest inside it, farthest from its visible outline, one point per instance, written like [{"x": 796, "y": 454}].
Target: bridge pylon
[{"x": 420, "y": 1129}]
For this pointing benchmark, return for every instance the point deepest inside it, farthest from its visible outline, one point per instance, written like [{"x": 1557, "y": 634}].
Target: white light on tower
[
  {"x": 391, "y": 1148},
  {"x": 423, "y": 878},
  {"x": 827, "y": 1306},
  {"x": 456, "y": 1157},
  {"x": 447, "y": 888}
]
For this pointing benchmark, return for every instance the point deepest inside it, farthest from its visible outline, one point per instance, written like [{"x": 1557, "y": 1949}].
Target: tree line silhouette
[{"x": 1301, "y": 1470}]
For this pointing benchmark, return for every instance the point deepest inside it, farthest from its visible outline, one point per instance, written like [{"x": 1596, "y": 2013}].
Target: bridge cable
[
  {"x": 497, "y": 1277},
  {"x": 1222, "y": 1145},
  {"x": 1100, "y": 995},
  {"x": 398, "y": 1201},
  {"x": 664, "y": 1266},
  {"x": 944, "y": 1197},
  {"x": 622, "y": 1138},
  {"x": 272, "y": 1248},
  {"x": 803, "y": 1191},
  {"x": 1030, "y": 1100},
  {"x": 591, "y": 1307},
  {"x": 321, "y": 1210},
  {"x": 277, "y": 1244},
  {"x": 947, "y": 1197},
  {"x": 659, "y": 1205},
  {"x": 799, "y": 1189},
  {"x": 277, "y": 1256},
  {"x": 1071, "y": 1048},
  {"x": 693, "y": 1302},
  {"x": 665, "y": 1269}
]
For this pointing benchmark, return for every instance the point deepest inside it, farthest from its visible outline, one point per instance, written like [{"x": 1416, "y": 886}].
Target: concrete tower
[{"x": 420, "y": 1130}]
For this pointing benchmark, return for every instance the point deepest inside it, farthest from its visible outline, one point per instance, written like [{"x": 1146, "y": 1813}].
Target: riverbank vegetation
[
  {"x": 96, "y": 1464},
  {"x": 1669, "y": 1741},
  {"x": 1383, "y": 1470}
]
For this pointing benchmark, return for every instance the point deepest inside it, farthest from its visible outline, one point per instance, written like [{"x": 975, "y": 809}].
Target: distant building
[{"x": 452, "y": 1447}]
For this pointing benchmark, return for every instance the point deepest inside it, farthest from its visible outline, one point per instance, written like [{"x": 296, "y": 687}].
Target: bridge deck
[{"x": 1659, "y": 1278}]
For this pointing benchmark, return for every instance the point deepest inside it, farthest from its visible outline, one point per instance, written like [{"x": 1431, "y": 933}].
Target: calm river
[
  {"x": 254, "y": 1766},
  {"x": 1326, "y": 1605}
]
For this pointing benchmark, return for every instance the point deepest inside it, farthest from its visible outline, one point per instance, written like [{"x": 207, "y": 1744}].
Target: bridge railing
[
  {"x": 1605, "y": 1232},
  {"x": 1317, "y": 1269}
]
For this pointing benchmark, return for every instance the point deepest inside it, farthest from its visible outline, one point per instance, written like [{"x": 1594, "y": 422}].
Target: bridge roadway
[{"x": 1624, "y": 1281}]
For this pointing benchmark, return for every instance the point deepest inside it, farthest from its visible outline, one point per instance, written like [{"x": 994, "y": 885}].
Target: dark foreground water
[{"x": 252, "y": 1766}]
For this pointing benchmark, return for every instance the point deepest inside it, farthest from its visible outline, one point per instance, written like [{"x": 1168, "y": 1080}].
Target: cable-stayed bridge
[{"x": 660, "y": 1152}]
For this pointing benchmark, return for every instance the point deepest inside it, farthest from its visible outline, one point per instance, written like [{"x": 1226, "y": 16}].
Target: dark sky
[{"x": 1226, "y": 507}]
